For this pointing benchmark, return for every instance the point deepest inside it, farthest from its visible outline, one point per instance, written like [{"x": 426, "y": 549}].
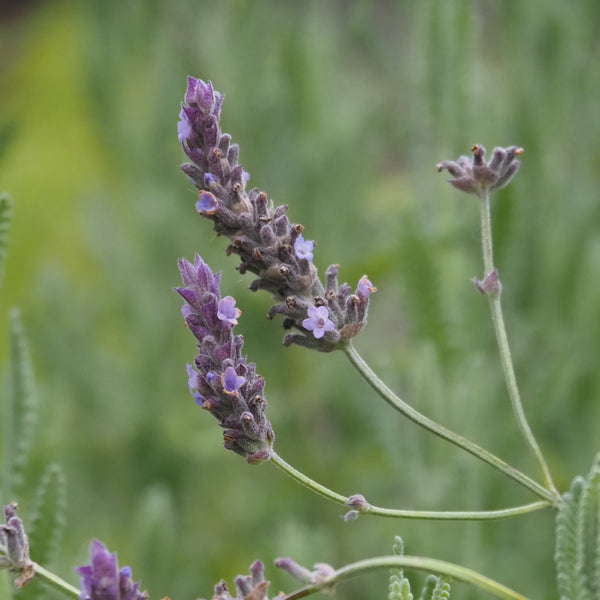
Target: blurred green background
[{"x": 341, "y": 109}]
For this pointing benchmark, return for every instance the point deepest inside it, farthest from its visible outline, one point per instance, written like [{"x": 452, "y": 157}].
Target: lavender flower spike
[
  {"x": 102, "y": 579},
  {"x": 220, "y": 380},
  {"x": 475, "y": 176},
  {"x": 261, "y": 234}
]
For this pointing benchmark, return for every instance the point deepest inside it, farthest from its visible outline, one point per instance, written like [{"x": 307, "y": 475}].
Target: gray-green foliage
[
  {"x": 45, "y": 528},
  {"x": 19, "y": 410},
  {"x": 435, "y": 588},
  {"x": 46, "y": 523},
  {"x": 5, "y": 219},
  {"x": 577, "y": 553},
  {"x": 399, "y": 588}
]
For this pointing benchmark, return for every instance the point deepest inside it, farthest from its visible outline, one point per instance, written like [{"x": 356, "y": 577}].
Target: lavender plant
[{"x": 323, "y": 315}]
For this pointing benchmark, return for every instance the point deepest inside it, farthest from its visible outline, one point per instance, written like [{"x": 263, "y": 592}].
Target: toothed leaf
[
  {"x": 49, "y": 518},
  {"x": 428, "y": 588},
  {"x": 5, "y": 219},
  {"x": 399, "y": 588},
  {"x": 577, "y": 553},
  {"x": 20, "y": 411},
  {"x": 441, "y": 591},
  {"x": 46, "y": 529}
]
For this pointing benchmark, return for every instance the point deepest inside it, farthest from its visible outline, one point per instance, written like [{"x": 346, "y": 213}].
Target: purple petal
[
  {"x": 231, "y": 382},
  {"x": 227, "y": 312},
  {"x": 303, "y": 249},
  {"x": 364, "y": 288},
  {"x": 207, "y": 203},
  {"x": 184, "y": 127}
]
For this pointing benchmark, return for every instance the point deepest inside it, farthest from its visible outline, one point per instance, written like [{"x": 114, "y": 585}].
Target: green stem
[
  {"x": 430, "y": 565},
  {"x": 5, "y": 593},
  {"x": 55, "y": 581},
  {"x": 502, "y": 339},
  {"x": 406, "y": 514},
  {"x": 416, "y": 417}
]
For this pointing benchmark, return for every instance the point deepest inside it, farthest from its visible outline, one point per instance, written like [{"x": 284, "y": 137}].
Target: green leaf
[
  {"x": 49, "y": 517},
  {"x": 589, "y": 528},
  {"x": 429, "y": 587},
  {"x": 399, "y": 588},
  {"x": 20, "y": 411},
  {"x": 441, "y": 591},
  {"x": 6, "y": 214},
  {"x": 577, "y": 554},
  {"x": 46, "y": 529}
]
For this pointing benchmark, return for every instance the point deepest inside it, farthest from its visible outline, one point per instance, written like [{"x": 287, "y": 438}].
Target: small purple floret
[
  {"x": 318, "y": 321},
  {"x": 303, "y": 249},
  {"x": 193, "y": 385},
  {"x": 231, "y": 381},
  {"x": 206, "y": 202},
  {"x": 102, "y": 580},
  {"x": 227, "y": 312},
  {"x": 184, "y": 127},
  {"x": 364, "y": 288}
]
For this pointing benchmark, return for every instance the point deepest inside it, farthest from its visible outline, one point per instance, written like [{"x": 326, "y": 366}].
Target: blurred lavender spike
[{"x": 102, "y": 579}]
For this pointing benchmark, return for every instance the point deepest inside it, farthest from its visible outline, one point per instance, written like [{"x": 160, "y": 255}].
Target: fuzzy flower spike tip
[
  {"x": 268, "y": 245},
  {"x": 220, "y": 380}
]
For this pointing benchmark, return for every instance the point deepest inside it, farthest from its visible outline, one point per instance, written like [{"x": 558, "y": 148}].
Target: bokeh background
[{"x": 341, "y": 109}]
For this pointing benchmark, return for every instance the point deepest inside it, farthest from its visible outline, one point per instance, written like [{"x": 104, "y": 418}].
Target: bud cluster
[
  {"x": 475, "y": 176},
  {"x": 261, "y": 234},
  {"x": 221, "y": 381}
]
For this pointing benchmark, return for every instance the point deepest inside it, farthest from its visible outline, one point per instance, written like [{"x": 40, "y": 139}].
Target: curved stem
[
  {"x": 406, "y": 514},
  {"x": 416, "y": 417},
  {"x": 55, "y": 581},
  {"x": 411, "y": 562},
  {"x": 503, "y": 347}
]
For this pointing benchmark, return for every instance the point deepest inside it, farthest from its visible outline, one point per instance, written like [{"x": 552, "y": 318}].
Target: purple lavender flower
[
  {"x": 231, "y": 381},
  {"x": 318, "y": 321},
  {"x": 206, "y": 203},
  {"x": 220, "y": 380},
  {"x": 303, "y": 249},
  {"x": 15, "y": 553},
  {"x": 102, "y": 579},
  {"x": 260, "y": 233},
  {"x": 227, "y": 311},
  {"x": 475, "y": 176},
  {"x": 364, "y": 288}
]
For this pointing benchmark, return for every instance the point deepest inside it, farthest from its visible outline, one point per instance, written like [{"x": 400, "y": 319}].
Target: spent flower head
[
  {"x": 320, "y": 573},
  {"x": 475, "y": 176},
  {"x": 14, "y": 550},
  {"x": 103, "y": 580},
  {"x": 249, "y": 587},
  {"x": 221, "y": 380},
  {"x": 260, "y": 233}
]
